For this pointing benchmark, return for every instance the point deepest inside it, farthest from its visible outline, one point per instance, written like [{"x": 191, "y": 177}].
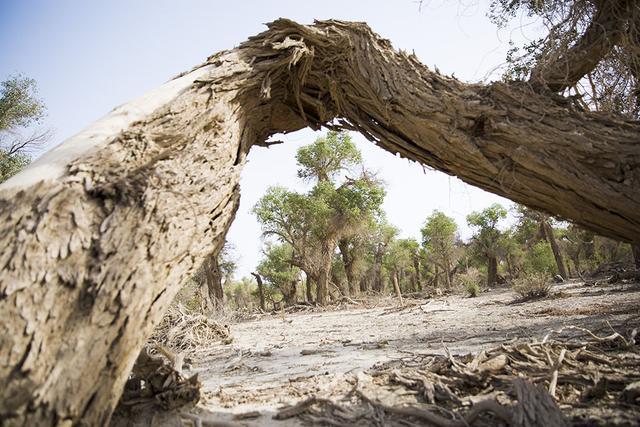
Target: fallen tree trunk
[{"x": 98, "y": 235}]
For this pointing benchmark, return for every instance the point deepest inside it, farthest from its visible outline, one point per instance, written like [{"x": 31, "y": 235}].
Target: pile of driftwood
[
  {"x": 188, "y": 333},
  {"x": 579, "y": 380},
  {"x": 156, "y": 388},
  {"x": 157, "y": 380}
]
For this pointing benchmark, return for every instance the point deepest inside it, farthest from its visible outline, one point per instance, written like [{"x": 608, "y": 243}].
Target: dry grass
[
  {"x": 532, "y": 286},
  {"x": 188, "y": 333},
  {"x": 471, "y": 282}
]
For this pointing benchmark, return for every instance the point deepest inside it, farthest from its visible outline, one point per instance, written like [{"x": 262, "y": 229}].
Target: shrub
[
  {"x": 533, "y": 285},
  {"x": 471, "y": 281},
  {"x": 472, "y": 289}
]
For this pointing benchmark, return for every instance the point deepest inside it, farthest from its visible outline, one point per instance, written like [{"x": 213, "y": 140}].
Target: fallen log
[{"x": 99, "y": 233}]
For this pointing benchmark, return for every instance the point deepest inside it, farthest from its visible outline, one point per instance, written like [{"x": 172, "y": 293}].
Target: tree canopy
[{"x": 20, "y": 108}]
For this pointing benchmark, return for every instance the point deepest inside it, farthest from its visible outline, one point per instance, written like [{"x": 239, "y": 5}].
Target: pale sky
[{"x": 90, "y": 56}]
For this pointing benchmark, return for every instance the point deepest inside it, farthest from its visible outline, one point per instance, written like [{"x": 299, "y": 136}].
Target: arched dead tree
[{"x": 98, "y": 235}]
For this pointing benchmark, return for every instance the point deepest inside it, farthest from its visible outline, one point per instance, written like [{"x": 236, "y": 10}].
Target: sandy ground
[{"x": 282, "y": 359}]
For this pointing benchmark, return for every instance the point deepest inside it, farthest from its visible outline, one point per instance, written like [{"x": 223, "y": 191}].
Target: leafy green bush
[
  {"x": 533, "y": 285},
  {"x": 539, "y": 259}
]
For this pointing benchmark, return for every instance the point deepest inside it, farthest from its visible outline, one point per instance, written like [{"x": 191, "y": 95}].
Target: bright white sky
[{"x": 89, "y": 57}]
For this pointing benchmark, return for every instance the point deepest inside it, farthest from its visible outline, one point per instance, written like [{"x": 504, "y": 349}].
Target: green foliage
[
  {"x": 241, "y": 294},
  {"x": 488, "y": 237},
  {"x": 539, "y": 259},
  {"x": 472, "y": 289},
  {"x": 439, "y": 232},
  {"x": 487, "y": 219},
  {"x": 399, "y": 255},
  {"x": 11, "y": 164},
  {"x": 286, "y": 215},
  {"x": 327, "y": 156},
  {"x": 19, "y": 106},
  {"x": 276, "y": 268},
  {"x": 502, "y": 11},
  {"x": 312, "y": 223},
  {"x": 439, "y": 236},
  {"x": 227, "y": 263}
]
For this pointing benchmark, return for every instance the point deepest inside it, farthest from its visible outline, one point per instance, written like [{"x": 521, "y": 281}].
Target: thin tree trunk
[
  {"x": 636, "y": 255},
  {"x": 365, "y": 282},
  {"x": 492, "y": 271},
  {"x": 416, "y": 273},
  {"x": 576, "y": 263},
  {"x": 509, "y": 266},
  {"x": 396, "y": 287},
  {"x": 378, "y": 285},
  {"x": 557, "y": 253},
  {"x": 436, "y": 276},
  {"x": 260, "y": 290},
  {"x": 98, "y": 234}
]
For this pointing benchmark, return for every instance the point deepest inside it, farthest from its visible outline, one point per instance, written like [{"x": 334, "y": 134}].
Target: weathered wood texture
[{"x": 92, "y": 257}]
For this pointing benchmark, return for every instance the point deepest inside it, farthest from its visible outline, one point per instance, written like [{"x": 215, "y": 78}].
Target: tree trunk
[
  {"x": 416, "y": 273},
  {"x": 636, "y": 255},
  {"x": 436, "y": 276},
  {"x": 557, "y": 253},
  {"x": 365, "y": 282},
  {"x": 214, "y": 280},
  {"x": 290, "y": 293},
  {"x": 447, "y": 275},
  {"x": 396, "y": 287},
  {"x": 378, "y": 284},
  {"x": 349, "y": 265},
  {"x": 509, "y": 266},
  {"x": 326, "y": 256},
  {"x": 99, "y": 233},
  {"x": 308, "y": 285},
  {"x": 260, "y": 290},
  {"x": 576, "y": 264},
  {"x": 492, "y": 271}
]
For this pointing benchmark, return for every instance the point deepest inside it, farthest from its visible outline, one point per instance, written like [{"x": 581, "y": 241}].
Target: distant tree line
[{"x": 333, "y": 241}]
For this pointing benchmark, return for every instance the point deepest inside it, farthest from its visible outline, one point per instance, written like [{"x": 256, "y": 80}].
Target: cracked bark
[{"x": 93, "y": 254}]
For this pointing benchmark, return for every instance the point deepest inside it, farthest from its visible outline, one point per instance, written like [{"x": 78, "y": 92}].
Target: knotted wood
[{"x": 98, "y": 235}]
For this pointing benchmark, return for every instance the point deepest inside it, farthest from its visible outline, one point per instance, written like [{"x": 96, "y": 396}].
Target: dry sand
[{"x": 276, "y": 360}]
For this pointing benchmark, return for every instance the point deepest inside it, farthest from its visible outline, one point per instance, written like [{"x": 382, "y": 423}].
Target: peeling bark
[{"x": 98, "y": 235}]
